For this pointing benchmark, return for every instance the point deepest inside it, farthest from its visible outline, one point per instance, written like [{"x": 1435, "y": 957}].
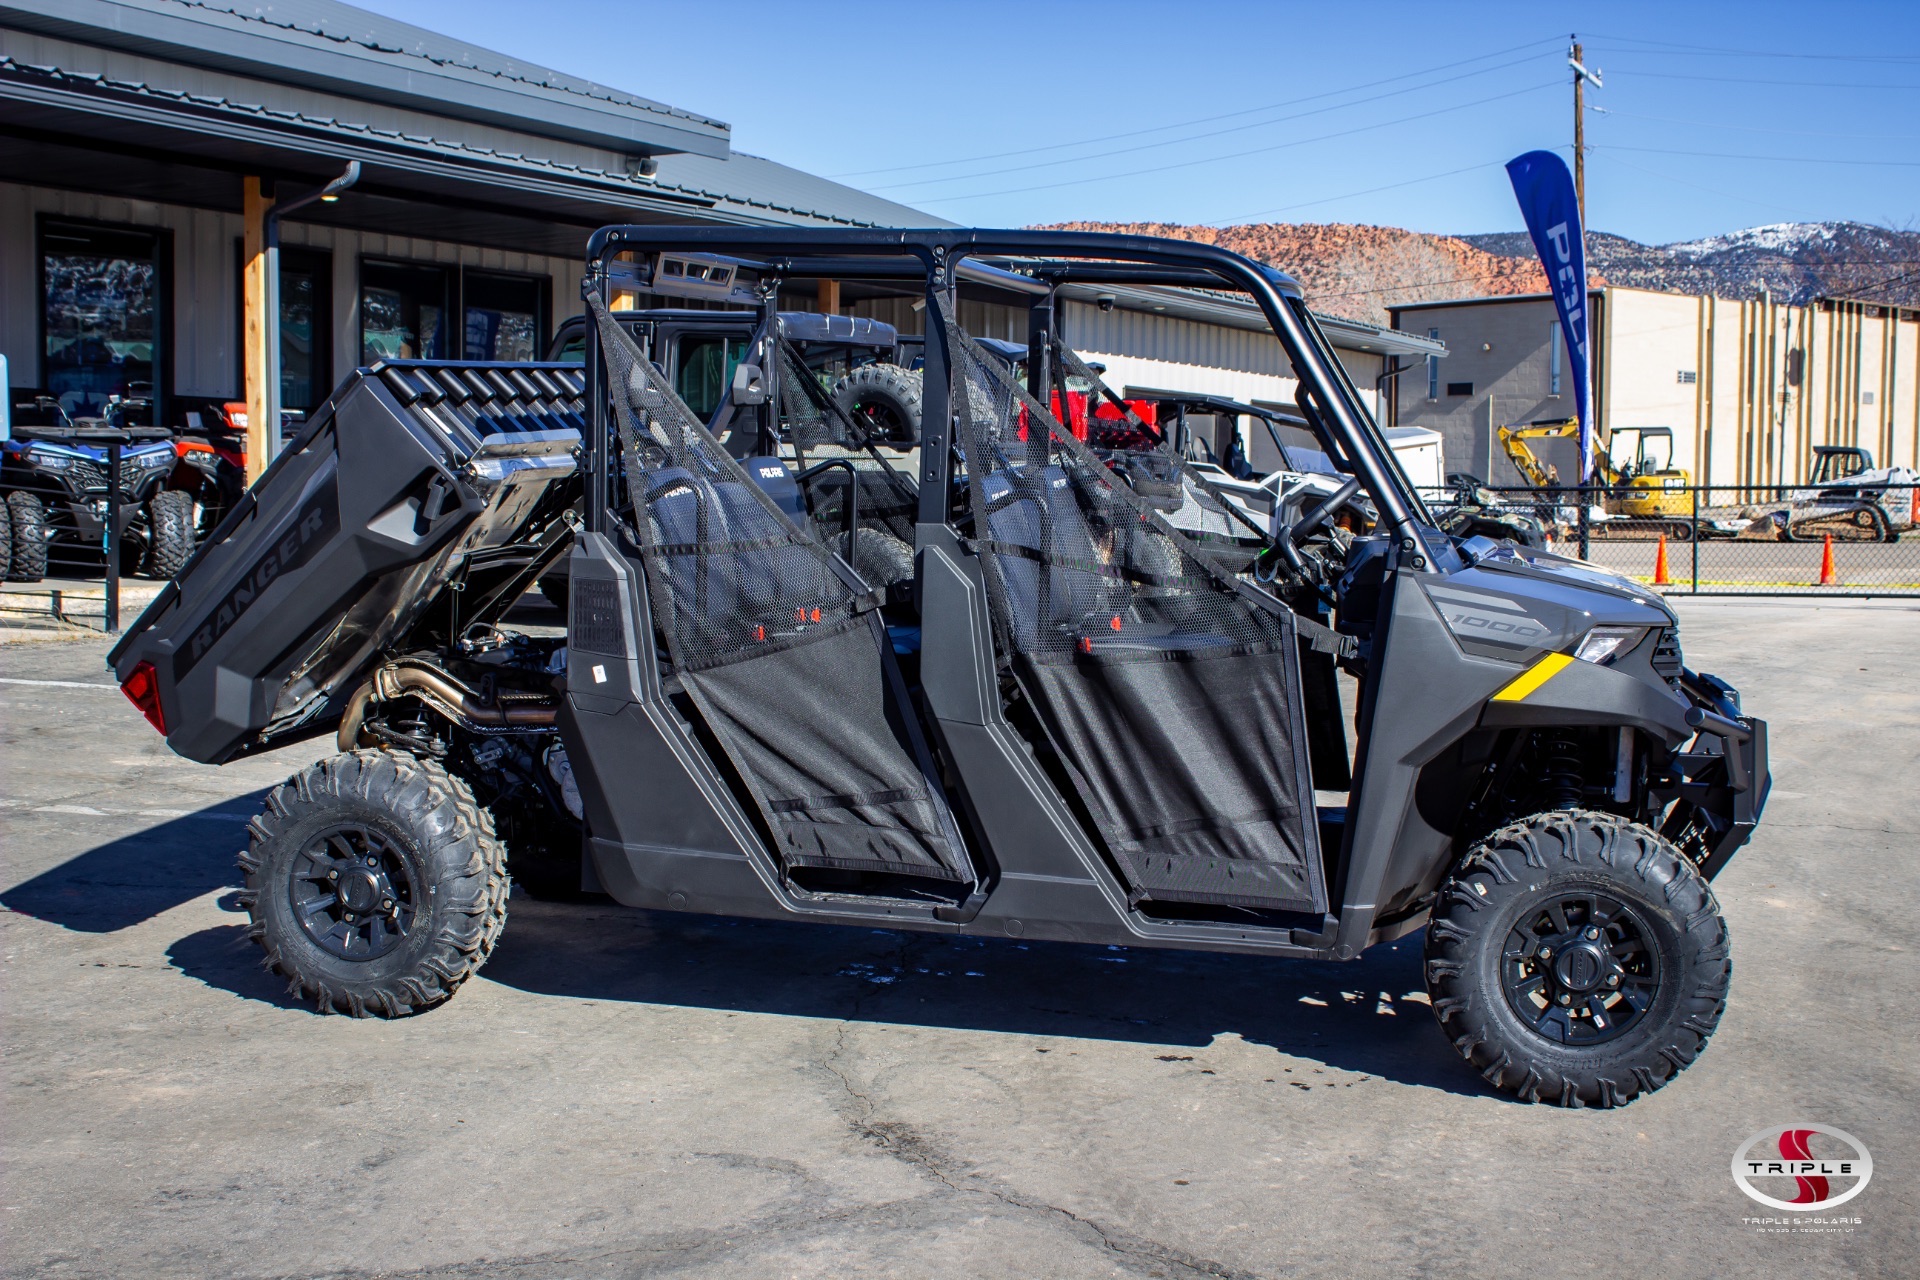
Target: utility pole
[
  {"x": 1580, "y": 77},
  {"x": 1579, "y": 134}
]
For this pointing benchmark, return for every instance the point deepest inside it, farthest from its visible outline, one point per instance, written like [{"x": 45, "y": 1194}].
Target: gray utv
[{"x": 1060, "y": 716}]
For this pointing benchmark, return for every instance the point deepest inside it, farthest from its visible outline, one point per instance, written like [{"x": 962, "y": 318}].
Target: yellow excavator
[{"x": 1647, "y": 488}]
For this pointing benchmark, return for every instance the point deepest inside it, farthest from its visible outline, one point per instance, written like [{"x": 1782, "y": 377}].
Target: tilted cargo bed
[{"x": 419, "y": 499}]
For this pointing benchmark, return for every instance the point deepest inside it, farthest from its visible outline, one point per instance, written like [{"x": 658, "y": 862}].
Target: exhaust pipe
[{"x": 445, "y": 694}]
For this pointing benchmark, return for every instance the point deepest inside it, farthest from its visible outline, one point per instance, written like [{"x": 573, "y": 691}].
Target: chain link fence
[{"x": 1719, "y": 540}]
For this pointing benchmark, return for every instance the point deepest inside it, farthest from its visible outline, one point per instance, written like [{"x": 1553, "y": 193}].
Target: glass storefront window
[
  {"x": 503, "y": 317},
  {"x": 403, "y": 311},
  {"x": 306, "y": 318},
  {"x": 101, "y": 310}
]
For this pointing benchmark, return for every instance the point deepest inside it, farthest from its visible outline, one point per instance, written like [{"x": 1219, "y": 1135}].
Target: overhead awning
[{"x": 339, "y": 49}]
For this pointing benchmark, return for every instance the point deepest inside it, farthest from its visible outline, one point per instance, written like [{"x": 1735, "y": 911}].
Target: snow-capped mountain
[
  {"x": 1791, "y": 261},
  {"x": 1775, "y": 237}
]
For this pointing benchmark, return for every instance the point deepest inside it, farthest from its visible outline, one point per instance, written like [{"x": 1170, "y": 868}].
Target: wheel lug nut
[
  {"x": 1546, "y": 953},
  {"x": 1613, "y": 979},
  {"x": 1564, "y": 997},
  {"x": 386, "y": 904},
  {"x": 333, "y": 875},
  {"x": 374, "y": 862},
  {"x": 1592, "y": 933}
]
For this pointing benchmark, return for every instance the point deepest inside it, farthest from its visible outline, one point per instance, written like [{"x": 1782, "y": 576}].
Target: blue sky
[{"x": 1715, "y": 117}]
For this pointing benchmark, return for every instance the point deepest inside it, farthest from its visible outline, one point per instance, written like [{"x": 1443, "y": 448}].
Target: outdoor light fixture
[{"x": 328, "y": 194}]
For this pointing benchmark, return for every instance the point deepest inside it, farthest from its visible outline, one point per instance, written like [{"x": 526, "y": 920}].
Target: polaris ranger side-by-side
[{"x": 1065, "y": 718}]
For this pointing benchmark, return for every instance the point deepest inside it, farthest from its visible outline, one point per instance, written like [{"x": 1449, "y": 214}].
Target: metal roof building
[
  {"x": 143, "y": 145},
  {"x": 143, "y": 142}
]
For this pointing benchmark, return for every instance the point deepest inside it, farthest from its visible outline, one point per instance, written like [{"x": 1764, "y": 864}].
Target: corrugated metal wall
[
  {"x": 1774, "y": 381},
  {"x": 1139, "y": 349},
  {"x": 203, "y": 277},
  {"x": 1168, "y": 340}
]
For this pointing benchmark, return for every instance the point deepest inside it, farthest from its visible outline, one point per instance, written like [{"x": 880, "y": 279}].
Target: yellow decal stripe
[{"x": 1535, "y": 676}]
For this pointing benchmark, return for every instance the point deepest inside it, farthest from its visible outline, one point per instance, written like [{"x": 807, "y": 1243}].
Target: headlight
[
  {"x": 51, "y": 461},
  {"x": 1603, "y": 644},
  {"x": 158, "y": 458}
]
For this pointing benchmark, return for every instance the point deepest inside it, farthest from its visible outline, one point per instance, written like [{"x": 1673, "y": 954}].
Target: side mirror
[{"x": 749, "y": 385}]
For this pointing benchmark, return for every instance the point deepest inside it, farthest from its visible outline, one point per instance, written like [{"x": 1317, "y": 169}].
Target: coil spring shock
[{"x": 1563, "y": 775}]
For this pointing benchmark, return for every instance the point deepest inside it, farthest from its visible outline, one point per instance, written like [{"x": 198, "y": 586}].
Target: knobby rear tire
[
  {"x": 1512, "y": 873},
  {"x": 432, "y": 824},
  {"x": 27, "y": 515},
  {"x": 879, "y": 557},
  {"x": 169, "y": 534}
]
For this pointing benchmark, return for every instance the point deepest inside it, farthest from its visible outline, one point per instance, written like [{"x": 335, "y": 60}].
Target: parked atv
[
  {"x": 1477, "y": 511},
  {"x": 1067, "y": 723},
  {"x": 212, "y": 449},
  {"x": 55, "y": 492}
]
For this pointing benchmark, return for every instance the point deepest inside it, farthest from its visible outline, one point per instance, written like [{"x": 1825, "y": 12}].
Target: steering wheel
[{"x": 1288, "y": 543}]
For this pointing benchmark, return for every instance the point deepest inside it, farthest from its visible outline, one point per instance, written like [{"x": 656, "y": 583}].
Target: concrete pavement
[{"x": 623, "y": 1094}]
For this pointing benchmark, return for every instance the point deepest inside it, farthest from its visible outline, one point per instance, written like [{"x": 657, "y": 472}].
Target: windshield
[
  {"x": 706, "y": 371},
  {"x": 1381, "y": 450}
]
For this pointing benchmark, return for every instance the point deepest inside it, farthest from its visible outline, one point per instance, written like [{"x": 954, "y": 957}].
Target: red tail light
[{"x": 143, "y": 691}]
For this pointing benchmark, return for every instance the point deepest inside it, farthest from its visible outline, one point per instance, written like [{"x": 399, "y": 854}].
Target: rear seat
[
  {"x": 674, "y": 502},
  {"x": 1014, "y": 516}
]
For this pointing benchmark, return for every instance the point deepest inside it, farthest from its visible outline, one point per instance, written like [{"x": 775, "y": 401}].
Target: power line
[
  {"x": 1798, "y": 214},
  {"x": 1748, "y": 128},
  {"x": 1184, "y": 124},
  {"x": 1668, "y": 48},
  {"x": 1729, "y": 155},
  {"x": 1391, "y": 186},
  {"x": 1254, "y": 151},
  {"x": 1794, "y": 84},
  {"x": 1196, "y": 137}
]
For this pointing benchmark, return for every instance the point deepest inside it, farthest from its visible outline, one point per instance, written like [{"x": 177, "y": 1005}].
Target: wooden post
[
  {"x": 830, "y": 297},
  {"x": 256, "y": 331},
  {"x": 623, "y": 299}
]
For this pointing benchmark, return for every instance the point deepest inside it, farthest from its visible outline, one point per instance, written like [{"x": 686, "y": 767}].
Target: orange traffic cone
[
  {"x": 1913, "y": 506},
  {"x": 1660, "y": 578},
  {"x": 1829, "y": 576}
]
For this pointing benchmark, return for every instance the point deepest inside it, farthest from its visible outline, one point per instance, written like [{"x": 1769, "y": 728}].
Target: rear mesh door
[{"x": 785, "y": 660}]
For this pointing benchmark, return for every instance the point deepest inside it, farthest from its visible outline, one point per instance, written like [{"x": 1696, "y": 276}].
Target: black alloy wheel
[
  {"x": 1578, "y": 968},
  {"x": 353, "y": 892},
  {"x": 374, "y": 883},
  {"x": 1578, "y": 958}
]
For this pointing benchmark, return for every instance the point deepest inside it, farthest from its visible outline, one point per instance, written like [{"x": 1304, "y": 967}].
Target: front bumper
[{"x": 1723, "y": 781}]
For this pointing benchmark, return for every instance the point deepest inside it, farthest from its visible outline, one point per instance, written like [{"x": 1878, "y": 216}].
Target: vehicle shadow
[
  {"x": 119, "y": 884},
  {"x": 224, "y": 957},
  {"x": 1369, "y": 1016}
]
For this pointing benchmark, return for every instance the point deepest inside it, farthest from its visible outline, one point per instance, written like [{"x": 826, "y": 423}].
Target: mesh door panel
[
  {"x": 1199, "y": 508},
  {"x": 820, "y": 429},
  {"x": 1170, "y": 691},
  {"x": 784, "y": 658}
]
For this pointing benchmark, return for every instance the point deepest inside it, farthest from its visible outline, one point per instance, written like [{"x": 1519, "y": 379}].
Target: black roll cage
[{"x": 1034, "y": 263}]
